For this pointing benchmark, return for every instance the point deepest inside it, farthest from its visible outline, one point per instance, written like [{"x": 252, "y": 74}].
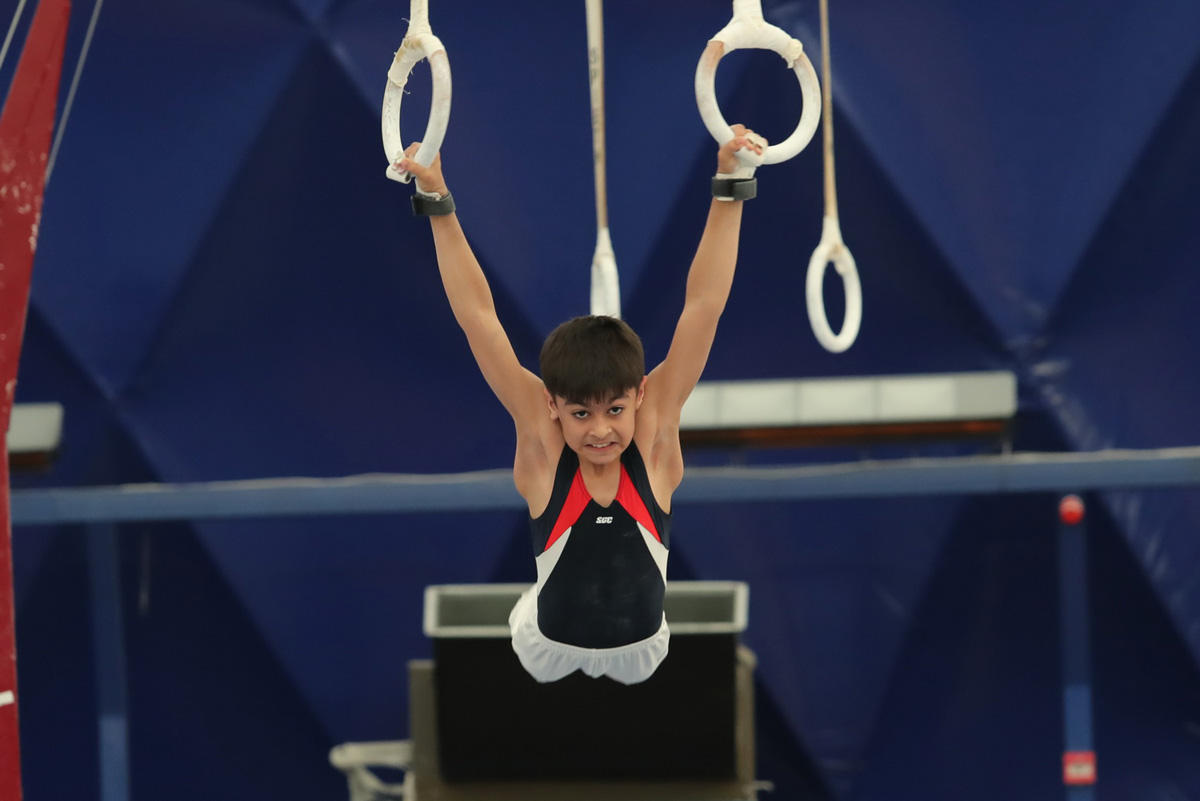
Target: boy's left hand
[
  {"x": 743, "y": 138},
  {"x": 429, "y": 179}
]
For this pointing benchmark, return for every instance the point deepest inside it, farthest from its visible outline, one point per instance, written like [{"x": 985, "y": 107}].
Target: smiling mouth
[{"x": 600, "y": 446}]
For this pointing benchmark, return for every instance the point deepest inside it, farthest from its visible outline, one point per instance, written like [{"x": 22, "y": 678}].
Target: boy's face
[{"x": 598, "y": 430}]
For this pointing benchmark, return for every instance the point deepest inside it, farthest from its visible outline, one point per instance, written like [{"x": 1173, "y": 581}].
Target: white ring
[
  {"x": 793, "y": 54},
  {"x": 832, "y": 250},
  {"x": 412, "y": 50}
]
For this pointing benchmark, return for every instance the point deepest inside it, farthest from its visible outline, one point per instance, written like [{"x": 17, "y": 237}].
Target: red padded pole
[{"x": 26, "y": 125}]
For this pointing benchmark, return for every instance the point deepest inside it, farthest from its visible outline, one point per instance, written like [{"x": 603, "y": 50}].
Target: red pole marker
[
  {"x": 1079, "y": 767},
  {"x": 1070, "y": 510}
]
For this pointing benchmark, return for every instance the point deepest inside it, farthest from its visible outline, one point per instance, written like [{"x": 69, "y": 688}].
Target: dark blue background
[{"x": 227, "y": 287}]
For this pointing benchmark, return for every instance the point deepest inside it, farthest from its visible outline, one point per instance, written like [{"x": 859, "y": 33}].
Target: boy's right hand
[
  {"x": 429, "y": 179},
  {"x": 743, "y": 139}
]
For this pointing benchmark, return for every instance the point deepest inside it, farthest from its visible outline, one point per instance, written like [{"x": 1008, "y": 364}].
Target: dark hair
[{"x": 592, "y": 358}]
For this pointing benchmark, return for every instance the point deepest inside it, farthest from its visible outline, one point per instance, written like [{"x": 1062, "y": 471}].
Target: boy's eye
[
  {"x": 579, "y": 414},
  {"x": 616, "y": 410}
]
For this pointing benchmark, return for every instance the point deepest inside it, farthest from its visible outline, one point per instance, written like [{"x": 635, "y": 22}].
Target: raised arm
[
  {"x": 471, "y": 301},
  {"x": 708, "y": 284}
]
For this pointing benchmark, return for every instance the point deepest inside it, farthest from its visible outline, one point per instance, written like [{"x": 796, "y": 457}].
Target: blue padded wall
[{"x": 227, "y": 287}]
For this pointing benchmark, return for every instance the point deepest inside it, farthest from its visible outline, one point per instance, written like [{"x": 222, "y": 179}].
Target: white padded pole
[
  {"x": 595, "y": 37},
  {"x": 606, "y": 285},
  {"x": 605, "y": 280}
]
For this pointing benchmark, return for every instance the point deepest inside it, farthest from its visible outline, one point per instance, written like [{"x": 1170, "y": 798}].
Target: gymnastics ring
[
  {"x": 419, "y": 42},
  {"x": 748, "y": 30},
  {"x": 830, "y": 250}
]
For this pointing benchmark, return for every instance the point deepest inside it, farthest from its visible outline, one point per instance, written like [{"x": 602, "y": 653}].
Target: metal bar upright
[
  {"x": 108, "y": 646},
  {"x": 1079, "y": 758}
]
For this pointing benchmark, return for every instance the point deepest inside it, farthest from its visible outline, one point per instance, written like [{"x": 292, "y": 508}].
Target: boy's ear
[
  {"x": 550, "y": 404},
  {"x": 641, "y": 393}
]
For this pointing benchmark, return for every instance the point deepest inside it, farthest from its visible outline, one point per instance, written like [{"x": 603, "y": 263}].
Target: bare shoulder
[
  {"x": 657, "y": 438},
  {"x": 539, "y": 446}
]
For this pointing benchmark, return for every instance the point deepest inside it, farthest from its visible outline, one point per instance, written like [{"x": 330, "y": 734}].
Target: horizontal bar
[
  {"x": 277, "y": 497},
  {"x": 493, "y": 489}
]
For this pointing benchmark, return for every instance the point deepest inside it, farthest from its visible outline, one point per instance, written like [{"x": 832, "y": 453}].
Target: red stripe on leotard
[
  {"x": 631, "y": 501},
  {"x": 577, "y": 500}
]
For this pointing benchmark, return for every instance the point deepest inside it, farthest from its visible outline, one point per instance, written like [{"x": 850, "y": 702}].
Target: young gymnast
[{"x": 598, "y": 453}]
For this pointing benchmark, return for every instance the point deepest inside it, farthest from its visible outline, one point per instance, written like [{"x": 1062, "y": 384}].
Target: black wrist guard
[
  {"x": 430, "y": 206},
  {"x": 734, "y": 188}
]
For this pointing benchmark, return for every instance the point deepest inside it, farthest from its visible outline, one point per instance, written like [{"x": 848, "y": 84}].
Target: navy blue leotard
[{"x": 598, "y": 602}]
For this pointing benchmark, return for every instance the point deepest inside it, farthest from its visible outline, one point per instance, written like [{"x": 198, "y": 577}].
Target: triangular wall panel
[{"x": 171, "y": 99}]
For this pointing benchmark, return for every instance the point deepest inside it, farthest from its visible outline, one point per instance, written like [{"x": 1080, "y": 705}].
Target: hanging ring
[
  {"x": 831, "y": 250},
  {"x": 416, "y": 46},
  {"x": 748, "y": 30}
]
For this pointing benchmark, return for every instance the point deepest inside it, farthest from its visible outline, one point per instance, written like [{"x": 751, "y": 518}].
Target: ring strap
[
  {"x": 734, "y": 188},
  {"x": 424, "y": 205}
]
